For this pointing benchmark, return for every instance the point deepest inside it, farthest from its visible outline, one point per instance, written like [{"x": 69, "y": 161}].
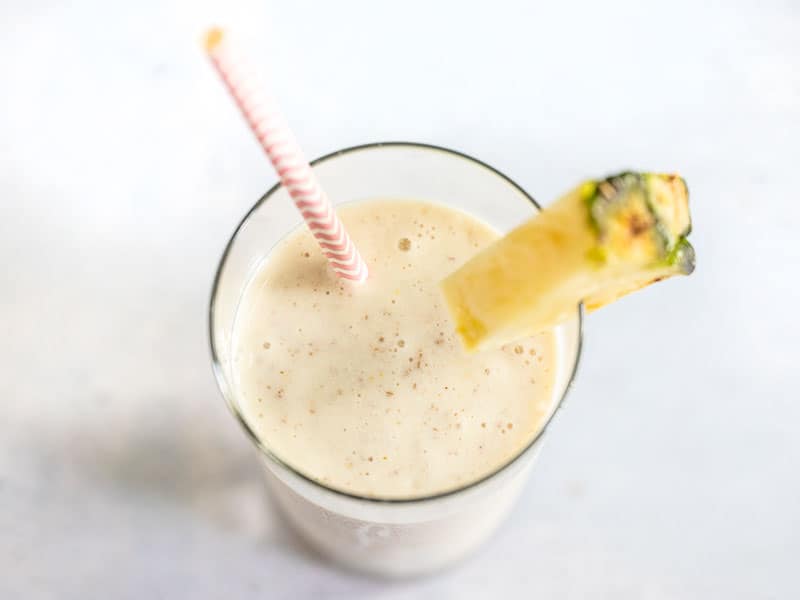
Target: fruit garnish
[{"x": 604, "y": 239}]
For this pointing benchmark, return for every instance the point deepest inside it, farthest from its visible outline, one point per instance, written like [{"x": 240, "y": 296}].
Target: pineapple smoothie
[
  {"x": 426, "y": 378},
  {"x": 367, "y": 389}
]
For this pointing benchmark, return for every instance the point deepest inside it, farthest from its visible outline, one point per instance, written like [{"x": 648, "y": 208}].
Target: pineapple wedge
[{"x": 604, "y": 239}]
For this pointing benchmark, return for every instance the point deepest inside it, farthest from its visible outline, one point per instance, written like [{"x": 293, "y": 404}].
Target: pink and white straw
[{"x": 274, "y": 135}]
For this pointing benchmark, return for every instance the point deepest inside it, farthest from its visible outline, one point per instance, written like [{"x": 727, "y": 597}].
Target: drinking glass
[{"x": 385, "y": 536}]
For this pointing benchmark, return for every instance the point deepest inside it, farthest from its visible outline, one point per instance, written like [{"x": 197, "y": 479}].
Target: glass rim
[{"x": 263, "y": 449}]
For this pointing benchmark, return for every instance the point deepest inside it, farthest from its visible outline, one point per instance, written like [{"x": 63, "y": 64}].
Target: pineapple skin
[{"x": 604, "y": 239}]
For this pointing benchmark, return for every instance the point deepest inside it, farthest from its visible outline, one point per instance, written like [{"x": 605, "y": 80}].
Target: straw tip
[{"x": 213, "y": 38}]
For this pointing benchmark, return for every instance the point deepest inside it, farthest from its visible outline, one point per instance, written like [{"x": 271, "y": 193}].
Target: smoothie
[{"x": 366, "y": 389}]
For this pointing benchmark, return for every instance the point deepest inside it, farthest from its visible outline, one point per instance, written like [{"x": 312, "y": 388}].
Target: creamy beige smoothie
[{"x": 366, "y": 389}]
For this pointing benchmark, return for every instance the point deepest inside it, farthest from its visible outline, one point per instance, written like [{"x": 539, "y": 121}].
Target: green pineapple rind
[{"x": 603, "y": 197}]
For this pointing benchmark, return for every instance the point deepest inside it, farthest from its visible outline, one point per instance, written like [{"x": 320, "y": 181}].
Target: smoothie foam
[{"x": 365, "y": 388}]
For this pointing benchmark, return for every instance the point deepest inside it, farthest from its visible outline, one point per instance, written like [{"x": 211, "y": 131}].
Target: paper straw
[{"x": 274, "y": 135}]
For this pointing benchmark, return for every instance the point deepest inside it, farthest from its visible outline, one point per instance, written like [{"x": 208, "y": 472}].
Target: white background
[{"x": 673, "y": 472}]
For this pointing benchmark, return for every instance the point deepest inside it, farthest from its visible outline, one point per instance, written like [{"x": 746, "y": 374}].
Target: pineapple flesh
[{"x": 604, "y": 239}]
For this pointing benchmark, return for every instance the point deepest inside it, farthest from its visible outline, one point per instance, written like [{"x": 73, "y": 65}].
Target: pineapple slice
[{"x": 604, "y": 239}]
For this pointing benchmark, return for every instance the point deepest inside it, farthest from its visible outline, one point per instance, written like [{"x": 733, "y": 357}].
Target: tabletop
[{"x": 672, "y": 471}]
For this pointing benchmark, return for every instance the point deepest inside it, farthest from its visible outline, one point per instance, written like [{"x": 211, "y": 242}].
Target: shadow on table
[{"x": 195, "y": 470}]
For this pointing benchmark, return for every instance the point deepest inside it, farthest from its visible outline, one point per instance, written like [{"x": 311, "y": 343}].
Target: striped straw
[{"x": 274, "y": 135}]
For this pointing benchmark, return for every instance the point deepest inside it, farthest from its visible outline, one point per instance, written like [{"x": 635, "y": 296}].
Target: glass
[{"x": 387, "y": 537}]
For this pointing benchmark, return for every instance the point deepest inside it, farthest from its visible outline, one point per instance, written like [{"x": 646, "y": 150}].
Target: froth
[{"x": 366, "y": 388}]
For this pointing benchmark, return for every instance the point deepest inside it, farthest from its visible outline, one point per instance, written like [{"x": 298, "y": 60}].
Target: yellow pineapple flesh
[{"x": 602, "y": 240}]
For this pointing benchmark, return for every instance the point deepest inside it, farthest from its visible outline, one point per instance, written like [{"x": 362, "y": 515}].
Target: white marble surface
[{"x": 673, "y": 470}]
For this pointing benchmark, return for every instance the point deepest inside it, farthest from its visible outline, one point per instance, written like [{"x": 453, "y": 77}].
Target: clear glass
[{"x": 387, "y": 537}]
